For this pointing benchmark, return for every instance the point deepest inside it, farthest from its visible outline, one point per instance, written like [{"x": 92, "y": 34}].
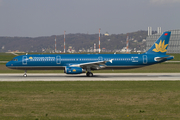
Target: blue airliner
[{"x": 85, "y": 63}]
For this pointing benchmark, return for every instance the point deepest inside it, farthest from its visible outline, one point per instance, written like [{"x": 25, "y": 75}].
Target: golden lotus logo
[
  {"x": 30, "y": 58},
  {"x": 74, "y": 70},
  {"x": 161, "y": 47}
]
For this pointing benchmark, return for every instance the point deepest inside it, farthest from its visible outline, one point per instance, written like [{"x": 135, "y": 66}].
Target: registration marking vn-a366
[{"x": 135, "y": 59}]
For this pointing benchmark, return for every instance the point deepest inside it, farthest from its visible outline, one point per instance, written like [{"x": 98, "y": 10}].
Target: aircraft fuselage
[{"x": 59, "y": 61}]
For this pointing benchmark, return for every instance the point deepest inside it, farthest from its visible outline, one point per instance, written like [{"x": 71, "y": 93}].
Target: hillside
[{"x": 77, "y": 41}]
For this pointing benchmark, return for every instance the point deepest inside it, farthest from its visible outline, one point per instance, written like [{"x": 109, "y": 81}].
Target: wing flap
[{"x": 92, "y": 64}]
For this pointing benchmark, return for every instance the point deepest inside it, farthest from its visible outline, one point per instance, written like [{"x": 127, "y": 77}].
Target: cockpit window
[{"x": 14, "y": 60}]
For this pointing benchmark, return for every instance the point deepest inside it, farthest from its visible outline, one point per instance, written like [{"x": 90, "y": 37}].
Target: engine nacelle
[{"x": 74, "y": 70}]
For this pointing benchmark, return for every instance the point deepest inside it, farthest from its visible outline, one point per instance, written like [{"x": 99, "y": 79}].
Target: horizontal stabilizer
[{"x": 163, "y": 58}]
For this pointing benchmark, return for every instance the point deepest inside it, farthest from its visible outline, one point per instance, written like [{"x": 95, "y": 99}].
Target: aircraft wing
[{"x": 92, "y": 65}]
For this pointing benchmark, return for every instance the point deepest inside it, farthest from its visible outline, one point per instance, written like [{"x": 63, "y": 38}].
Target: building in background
[
  {"x": 106, "y": 34},
  {"x": 174, "y": 42}
]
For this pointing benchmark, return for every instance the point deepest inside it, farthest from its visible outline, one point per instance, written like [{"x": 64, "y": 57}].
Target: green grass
[
  {"x": 6, "y": 56},
  {"x": 176, "y": 57},
  {"x": 158, "y": 100}
]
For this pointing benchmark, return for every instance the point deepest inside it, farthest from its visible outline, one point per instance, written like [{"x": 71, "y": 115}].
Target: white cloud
[{"x": 164, "y": 1}]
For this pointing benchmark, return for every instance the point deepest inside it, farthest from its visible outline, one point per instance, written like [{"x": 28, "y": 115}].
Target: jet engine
[{"x": 74, "y": 70}]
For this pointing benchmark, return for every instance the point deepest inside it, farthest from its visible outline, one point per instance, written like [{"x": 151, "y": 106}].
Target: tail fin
[{"x": 161, "y": 45}]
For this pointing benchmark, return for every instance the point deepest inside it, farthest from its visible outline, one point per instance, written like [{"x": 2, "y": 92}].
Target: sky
[{"x": 33, "y": 18}]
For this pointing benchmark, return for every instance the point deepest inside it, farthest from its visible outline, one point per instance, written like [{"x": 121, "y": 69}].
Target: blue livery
[{"x": 85, "y": 63}]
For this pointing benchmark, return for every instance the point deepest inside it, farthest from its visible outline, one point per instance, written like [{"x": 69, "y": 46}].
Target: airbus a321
[{"x": 85, "y": 63}]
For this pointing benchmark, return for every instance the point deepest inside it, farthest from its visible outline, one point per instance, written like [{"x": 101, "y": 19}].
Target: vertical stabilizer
[{"x": 161, "y": 45}]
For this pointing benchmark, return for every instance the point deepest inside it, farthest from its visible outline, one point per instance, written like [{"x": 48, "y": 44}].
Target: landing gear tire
[
  {"x": 89, "y": 74},
  {"x": 25, "y": 75}
]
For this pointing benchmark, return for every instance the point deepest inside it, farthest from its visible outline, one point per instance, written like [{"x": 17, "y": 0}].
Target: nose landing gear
[{"x": 25, "y": 73}]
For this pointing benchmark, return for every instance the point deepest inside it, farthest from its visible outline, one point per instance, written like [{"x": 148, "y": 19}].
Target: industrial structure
[
  {"x": 99, "y": 41},
  {"x": 174, "y": 42},
  {"x": 94, "y": 47},
  {"x": 64, "y": 42},
  {"x": 55, "y": 45},
  {"x": 149, "y": 31},
  {"x": 127, "y": 44}
]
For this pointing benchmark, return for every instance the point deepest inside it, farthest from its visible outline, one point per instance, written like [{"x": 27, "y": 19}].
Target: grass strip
[{"x": 146, "y": 100}]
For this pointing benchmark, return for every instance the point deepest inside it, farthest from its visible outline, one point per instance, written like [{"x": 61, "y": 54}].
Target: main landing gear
[
  {"x": 25, "y": 75},
  {"x": 89, "y": 74}
]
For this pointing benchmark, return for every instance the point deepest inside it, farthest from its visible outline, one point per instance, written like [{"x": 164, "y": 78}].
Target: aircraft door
[
  {"x": 144, "y": 59},
  {"x": 24, "y": 60},
  {"x": 58, "y": 59}
]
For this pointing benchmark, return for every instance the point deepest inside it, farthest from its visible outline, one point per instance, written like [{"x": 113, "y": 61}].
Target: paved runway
[{"x": 96, "y": 77}]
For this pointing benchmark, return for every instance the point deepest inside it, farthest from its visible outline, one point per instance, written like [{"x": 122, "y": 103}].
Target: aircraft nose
[{"x": 9, "y": 64}]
